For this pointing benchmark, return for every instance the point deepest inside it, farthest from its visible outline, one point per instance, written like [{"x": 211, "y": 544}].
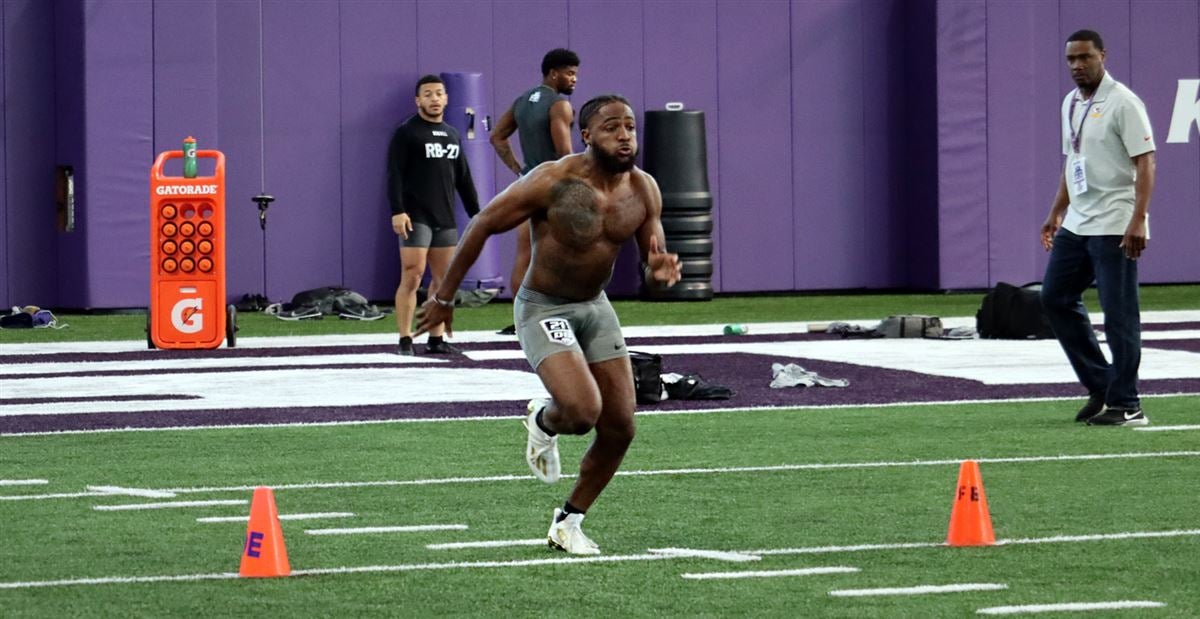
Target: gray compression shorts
[
  {"x": 423, "y": 235},
  {"x": 547, "y": 325}
]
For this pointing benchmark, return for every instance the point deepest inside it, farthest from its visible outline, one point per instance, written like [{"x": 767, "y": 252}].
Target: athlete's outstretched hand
[
  {"x": 662, "y": 267},
  {"x": 431, "y": 314}
]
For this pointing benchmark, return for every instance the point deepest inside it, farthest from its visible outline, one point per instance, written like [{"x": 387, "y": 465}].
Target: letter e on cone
[
  {"x": 263, "y": 553},
  {"x": 970, "y": 522}
]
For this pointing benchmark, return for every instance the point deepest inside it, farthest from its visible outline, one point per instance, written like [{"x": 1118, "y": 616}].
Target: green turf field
[
  {"x": 1084, "y": 515},
  {"x": 701, "y": 497}
]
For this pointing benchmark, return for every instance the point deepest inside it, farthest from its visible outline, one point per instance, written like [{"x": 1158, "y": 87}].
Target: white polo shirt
[{"x": 1115, "y": 131}]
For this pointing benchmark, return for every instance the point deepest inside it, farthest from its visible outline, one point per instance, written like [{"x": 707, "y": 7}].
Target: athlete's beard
[
  {"x": 613, "y": 164},
  {"x": 427, "y": 114}
]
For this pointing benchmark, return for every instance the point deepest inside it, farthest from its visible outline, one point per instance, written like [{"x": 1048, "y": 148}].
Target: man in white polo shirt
[{"x": 1096, "y": 230}]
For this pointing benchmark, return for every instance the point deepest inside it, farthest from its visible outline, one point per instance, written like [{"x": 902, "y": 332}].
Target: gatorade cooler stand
[{"x": 187, "y": 258}]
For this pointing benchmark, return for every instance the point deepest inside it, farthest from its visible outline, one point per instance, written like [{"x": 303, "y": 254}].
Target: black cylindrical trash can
[{"x": 676, "y": 156}]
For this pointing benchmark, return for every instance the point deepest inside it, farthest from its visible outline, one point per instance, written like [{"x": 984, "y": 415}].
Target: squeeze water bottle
[
  {"x": 189, "y": 157},
  {"x": 736, "y": 329}
]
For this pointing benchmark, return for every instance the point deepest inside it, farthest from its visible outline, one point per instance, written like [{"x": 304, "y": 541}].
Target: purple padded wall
[
  {"x": 70, "y": 123},
  {"x": 185, "y": 75},
  {"x": 1166, "y": 49},
  {"x": 379, "y": 69},
  {"x": 962, "y": 143},
  {"x": 301, "y": 71},
  {"x": 239, "y": 136},
  {"x": 522, "y": 32},
  {"x": 617, "y": 67},
  {"x": 1000, "y": 151},
  {"x": 676, "y": 42},
  {"x": 820, "y": 135},
  {"x": 1022, "y": 140},
  {"x": 755, "y": 169},
  {"x": 28, "y": 260},
  {"x": 898, "y": 153},
  {"x": 470, "y": 26},
  {"x": 468, "y": 91},
  {"x": 119, "y": 118},
  {"x": 828, "y": 189},
  {"x": 5, "y": 293}
]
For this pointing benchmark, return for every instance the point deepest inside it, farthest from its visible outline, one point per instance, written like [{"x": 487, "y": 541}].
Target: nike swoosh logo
[{"x": 1130, "y": 415}]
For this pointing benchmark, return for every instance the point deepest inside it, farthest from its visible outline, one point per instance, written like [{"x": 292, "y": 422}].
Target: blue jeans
[{"x": 1075, "y": 262}]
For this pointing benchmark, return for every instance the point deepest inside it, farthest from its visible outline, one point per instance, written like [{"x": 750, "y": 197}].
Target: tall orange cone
[
  {"x": 263, "y": 554},
  {"x": 970, "y": 523}
]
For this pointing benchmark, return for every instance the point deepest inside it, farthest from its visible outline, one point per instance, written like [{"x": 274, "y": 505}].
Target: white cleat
[
  {"x": 541, "y": 450},
  {"x": 566, "y": 535}
]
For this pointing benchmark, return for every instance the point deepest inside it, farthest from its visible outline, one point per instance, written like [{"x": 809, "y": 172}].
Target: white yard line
[
  {"x": 1167, "y": 428},
  {"x": 1095, "y": 537},
  {"x": 399, "y": 529},
  {"x": 24, "y": 482},
  {"x": 919, "y": 589},
  {"x": 530, "y": 562},
  {"x": 1067, "y": 607},
  {"x": 115, "y": 580},
  {"x": 478, "y": 564},
  {"x": 316, "y": 516},
  {"x": 808, "y": 571},
  {"x": 816, "y": 550},
  {"x": 121, "y": 491},
  {"x": 53, "y": 495},
  {"x": 168, "y": 505},
  {"x": 693, "y": 471},
  {"x": 735, "y": 557},
  {"x": 1056, "y": 539},
  {"x": 499, "y": 543}
]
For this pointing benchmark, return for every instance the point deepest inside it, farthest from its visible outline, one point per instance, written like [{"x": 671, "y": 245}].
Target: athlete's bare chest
[{"x": 622, "y": 214}]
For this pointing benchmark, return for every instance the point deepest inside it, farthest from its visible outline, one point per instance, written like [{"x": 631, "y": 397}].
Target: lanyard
[{"x": 1076, "y": 136}]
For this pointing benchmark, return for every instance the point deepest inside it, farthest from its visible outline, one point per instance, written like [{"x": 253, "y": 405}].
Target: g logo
[{"x": 186, "y": 316}]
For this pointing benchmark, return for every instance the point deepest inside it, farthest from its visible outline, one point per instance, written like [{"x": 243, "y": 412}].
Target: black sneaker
[
  {"x": 1119, "y": 417},
  {"x": 509, "y": 330},
  {"x": 406, "y": 348},
  {"x": 1094, "y": 406},
  {"x": 441, "y": 347}
]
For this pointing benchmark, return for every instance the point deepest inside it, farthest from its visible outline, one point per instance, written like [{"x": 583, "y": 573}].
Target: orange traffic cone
[
  {"x": 970, "y": 523},
  {"x": 264, "y": 555}
]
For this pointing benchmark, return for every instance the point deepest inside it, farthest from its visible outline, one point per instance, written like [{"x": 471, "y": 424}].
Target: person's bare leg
[
  {"x": 614, "y": 431},
  {"x": 576, "y": 407},
  {"x": 575, "y": 401},
  {"x": 439, "y": 260},
  {"x": 412, "y": 268}
]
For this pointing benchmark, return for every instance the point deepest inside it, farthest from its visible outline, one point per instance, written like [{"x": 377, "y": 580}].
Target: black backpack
[
  {"x": 1013, "y": 313},
  {"x": 647, "y": 377}
]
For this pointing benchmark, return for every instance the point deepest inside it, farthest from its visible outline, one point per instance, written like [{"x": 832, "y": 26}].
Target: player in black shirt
[{"x": 425, "y": 166}]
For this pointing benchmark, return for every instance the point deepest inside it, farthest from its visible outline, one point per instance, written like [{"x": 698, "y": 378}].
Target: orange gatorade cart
[{"x": 187, "y": 255}]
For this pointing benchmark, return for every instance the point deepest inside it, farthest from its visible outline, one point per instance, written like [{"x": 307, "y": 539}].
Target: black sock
[
  {"x": 406, "y": 340},
  {"x": 542, "y": 424},
  {"x": 569, "y": 509},
  {"x": 435, "y": 339}
]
